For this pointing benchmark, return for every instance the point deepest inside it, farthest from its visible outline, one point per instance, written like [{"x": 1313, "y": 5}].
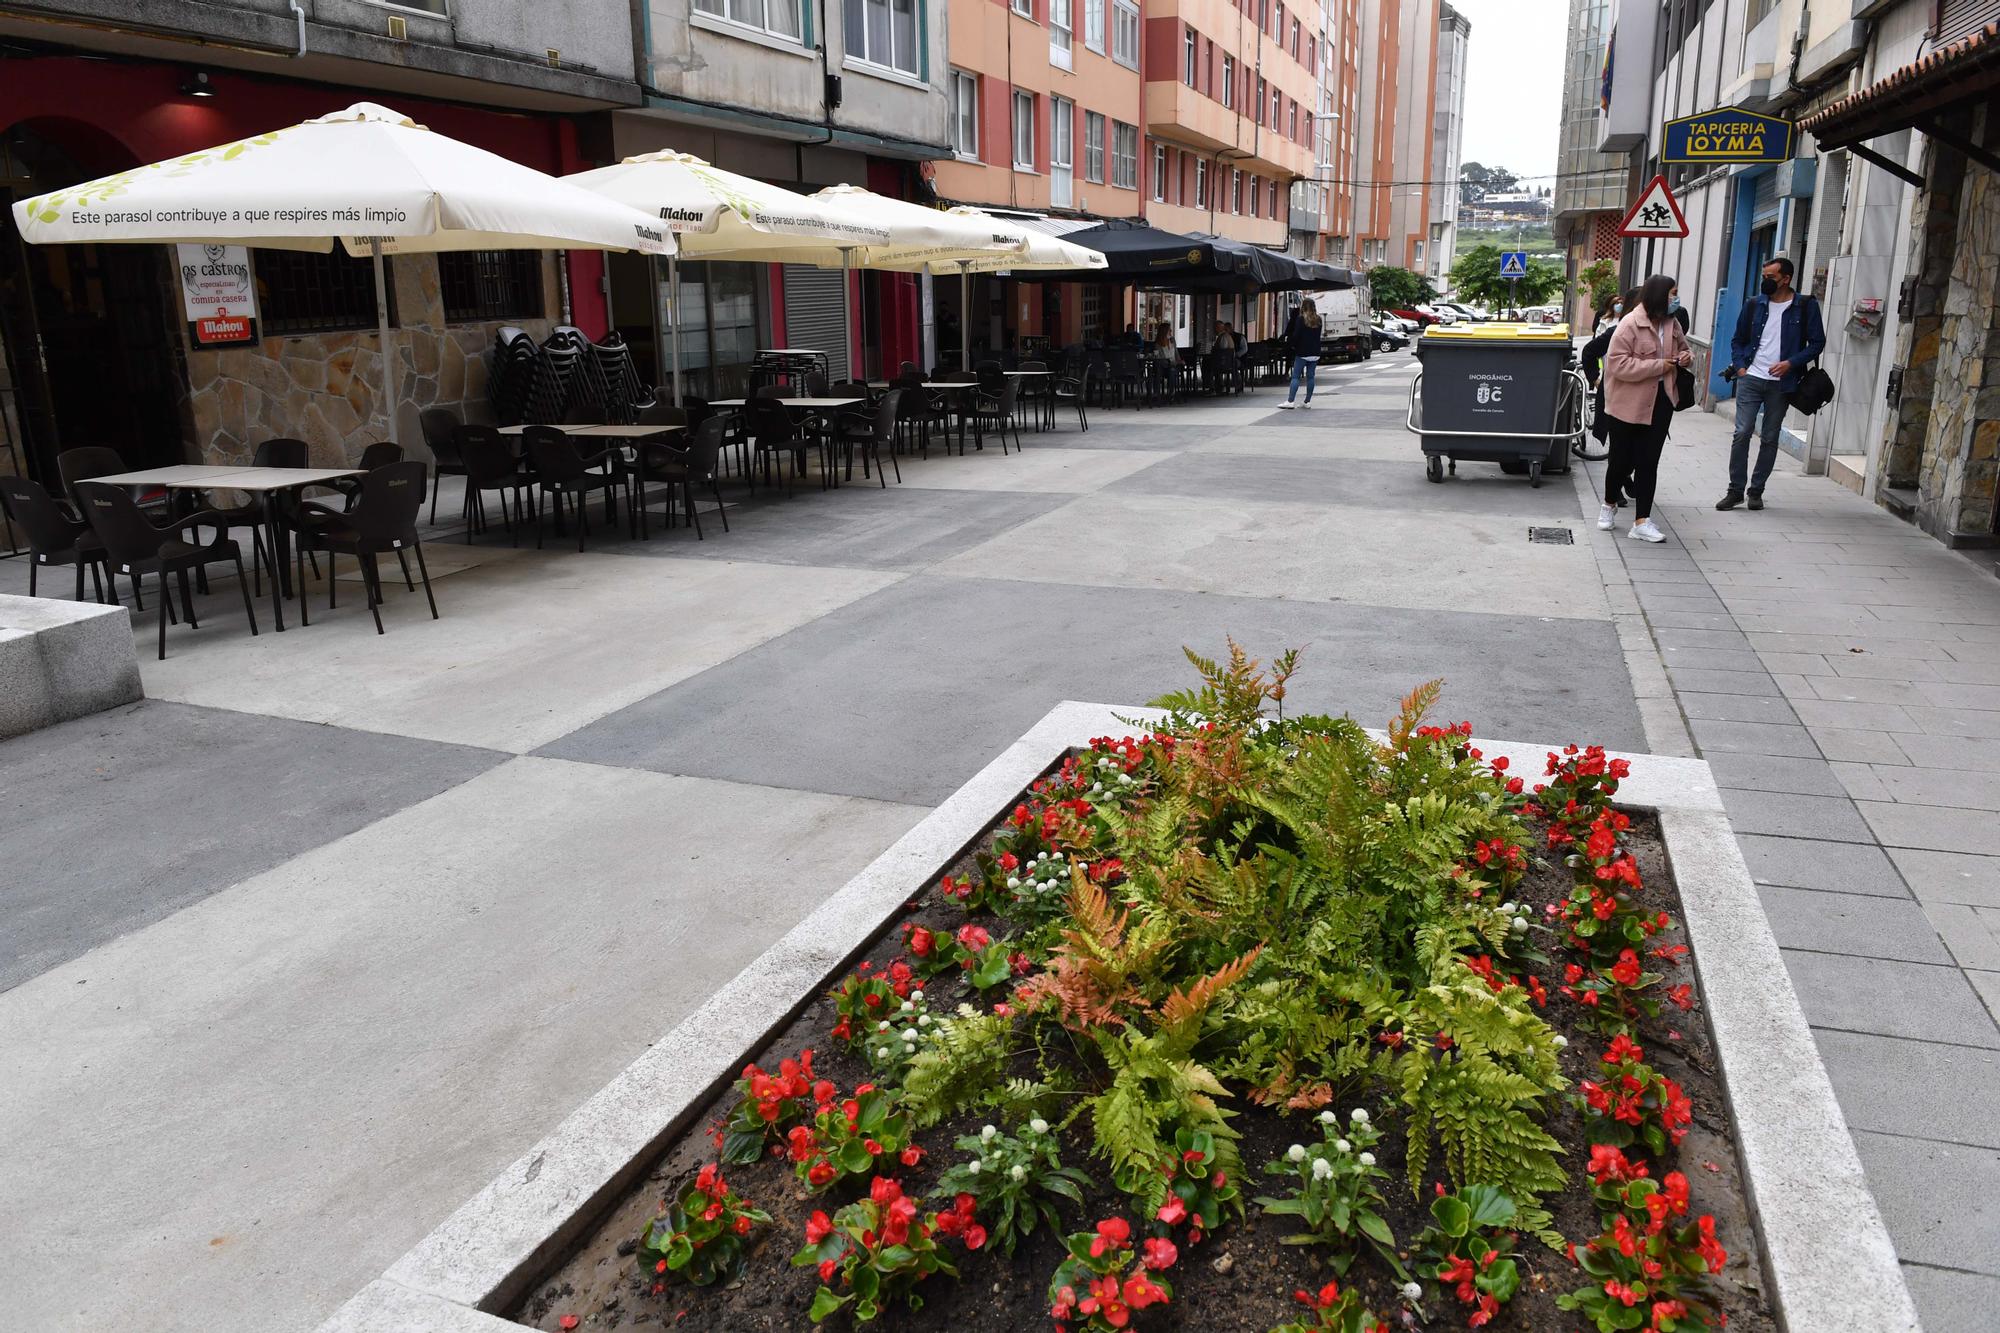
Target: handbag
[
  {"x": 1683, "y": 388},
  {"x": 1814, "y": 392}
]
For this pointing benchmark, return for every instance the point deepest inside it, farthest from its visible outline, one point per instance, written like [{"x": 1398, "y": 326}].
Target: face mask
[
  {"x": 1770, "y": 287},
  {"x": 1618, "y": 307},
  {"x": 1673, "y": 304}
]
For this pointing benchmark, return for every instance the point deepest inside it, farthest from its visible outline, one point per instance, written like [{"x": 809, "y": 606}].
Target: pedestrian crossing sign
[{"x": 1513, "y": 263}]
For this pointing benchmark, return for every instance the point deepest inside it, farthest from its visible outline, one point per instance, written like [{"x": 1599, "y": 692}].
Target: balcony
[{"x": 1179, "y": 114}]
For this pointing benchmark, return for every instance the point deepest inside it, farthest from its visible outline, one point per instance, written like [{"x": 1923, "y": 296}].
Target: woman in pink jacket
[{"x": 1639, "y": 398}]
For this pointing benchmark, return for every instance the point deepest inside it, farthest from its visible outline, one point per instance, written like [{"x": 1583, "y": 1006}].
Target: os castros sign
[{"x": 1729, "y": 134}]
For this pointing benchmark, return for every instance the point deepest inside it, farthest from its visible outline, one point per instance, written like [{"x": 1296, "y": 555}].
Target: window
[
  {"x": 884, "y": 32},
  {"x": 1025, "y": 8},
  {"x": 780, "y": 18},
  {"x": 1201, "y": 182},
  {"x": 1093, "y": 25},
  {"x": 1295, "y": 39},
  {"x": 1277, "y": 100},
  {"x": 1125, "y": 32},
  {"x": 1278, "y": 29},
  {"x": 1062, "y": 148},
  {"x": 1159, "y": 173},
  {"x": 1228, "y": 81},
  {"x": 964, "y": 114},
  {"x": 1187, "y": 56},
  {"x": 1060, "y": 36},
  {"x": 1235, "y": 190},
  {"x": 1419, "y": 256},
  {"x": 1093, "y": 147},
  {"x": 718, "y": 309},
  {"x": 301, "y": 292},
  {"x": 1024, "y": 131},
  {"x": 490, "y": 284},
  {"x": 1256, "y": 195},
  {"x": 1125, "y": 156},
  {"x": 1293, "y": 111}
]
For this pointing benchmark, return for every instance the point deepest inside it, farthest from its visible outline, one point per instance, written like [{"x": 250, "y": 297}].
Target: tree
[
  {"x": 1399, "y": 288},
  {"x": 1475, "y": 277},
  {"x": 1477, "y": 180},
  {"x": 1600, "y": 281}
]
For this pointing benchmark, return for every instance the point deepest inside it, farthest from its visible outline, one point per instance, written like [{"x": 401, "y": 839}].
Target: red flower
[
  {"x": 896, "y": 1220},
  {"x": 819, "y": 1174},
  {"x": 874, "y": 1148},
  {"x": 1619, "y": 1292},
  {"x": 568, "y": 1321},
  {"x": 1139, "y": 1293},
  {"x": 911, "y": 1155},
  {"x": 1682, "y": 995},
  {"x": 1488, "y": 1307},
  {"x": 1112, "y": 1233},
  {"x": 884, "y": 1190},
  {"x": 827, "y": 1268},
  {"x": 803, "y": 1145},
  {"x": 973, "y": 938},
  {"x": 1622, "y": 1049},
  {"x": 1711, "y": 1250},
  {"x": 1172, "y": 1211},
  {"x": 975, "y": 1236},
  {"x": 1065, "y": 1302},
  {"x": 1626, "y": 971},
  {"x": 1159, "y": 1252},
  {"x": 742, "y": 1225},
  {"x": 1609, "y": 1164},
  {"x": 920, "y": 941}
]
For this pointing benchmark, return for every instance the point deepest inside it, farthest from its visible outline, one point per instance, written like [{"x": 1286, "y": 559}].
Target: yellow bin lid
[{"x": 1490, "y": 330}]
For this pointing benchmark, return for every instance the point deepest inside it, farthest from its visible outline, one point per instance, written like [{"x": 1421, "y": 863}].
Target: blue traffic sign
[{"x": 1513, "y": 263}]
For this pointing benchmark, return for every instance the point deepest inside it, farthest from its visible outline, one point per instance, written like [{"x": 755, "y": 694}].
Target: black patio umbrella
[{"x": 1164, "y": 260}]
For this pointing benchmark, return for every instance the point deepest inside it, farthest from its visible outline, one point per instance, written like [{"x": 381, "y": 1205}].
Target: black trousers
[{"x": 1634, "y": 469}]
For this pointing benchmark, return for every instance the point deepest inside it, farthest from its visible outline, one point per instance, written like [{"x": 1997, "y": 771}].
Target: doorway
[{"x": 86, "y": 327}]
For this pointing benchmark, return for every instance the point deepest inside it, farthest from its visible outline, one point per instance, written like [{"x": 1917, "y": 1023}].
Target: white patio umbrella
[
  {"x": 1042, "y": 251},
  {"x": 369, "y": 177},
  {"x": 717, "y": 214}
]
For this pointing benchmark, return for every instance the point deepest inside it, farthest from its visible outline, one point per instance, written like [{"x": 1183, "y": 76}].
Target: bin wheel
[
  {"x": 1434, "y": 467},
  {"x": 1454, "y": 467},
  {"x": 1535, "y": 473}
]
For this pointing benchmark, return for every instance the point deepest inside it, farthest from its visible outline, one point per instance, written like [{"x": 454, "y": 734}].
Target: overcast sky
[{"x": 1513, "y": 91}]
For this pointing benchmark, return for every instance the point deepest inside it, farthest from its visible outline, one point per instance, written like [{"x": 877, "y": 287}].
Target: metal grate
[
  {"x": 490, "y": 284},
  {"x": 302, "y": 292},
  {"x": 1552, "y": 536}
]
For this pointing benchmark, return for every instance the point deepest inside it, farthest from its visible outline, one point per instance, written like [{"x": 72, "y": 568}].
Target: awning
[
  {"x": 1913, "y": 96},
  {"x": 1148, "y": 257}
]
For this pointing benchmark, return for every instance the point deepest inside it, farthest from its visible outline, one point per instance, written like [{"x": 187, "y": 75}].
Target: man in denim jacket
[{"x": 1767, "y": 358}]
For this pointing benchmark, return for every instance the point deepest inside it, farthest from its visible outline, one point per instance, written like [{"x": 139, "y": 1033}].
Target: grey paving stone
[
  {"x": 142, "y": 810},
  {"x": 1753, "y": 738},
  {"x": 1863, "y": 667},
  {"x": 1971, "y": 933},
  {"x": 1938, "y": 1199},
  {"x": 1890, "y": 999},
  {"x": 1949, "y": 877},
  {"x": 1857, "y": 717},
  {"x": 1925, "y": 1088},
  {"x": 1710, "y": 659},
  {"x": 1957, "y": 752},
  {"x": 1725, "y": 639},
  {"x": 1988, "y": 986},
  {"x": 1949, "y": 1301},
  {"x": 1806, "y": 864},
  {"x": 1972, "y": 722},
  {"x": 1859, "y": 747},
  {"x": 1863, "y": 782},
  {"x": 1863, "y": 690},
  {"x": 899, "y": 695},
  {"x": 1834, "y": 645},
  {"x": 1718, "y": 620},
  {"x": 1722, "y": 682},
  {"x": 1852, "y": 923},
  {"x": 1935, "y": 828},
  {"x": 1374, "y": 483},
  {"x": 1758, "y": 772},
  {"x": 1793, "y": 815},
  {"x": 1794, "y": 687},
  {"x": 1735, "y": 707},
  {"x": 1967, "y": 673},
  {"x": 1937, "y": 786},
  {"x": 1797, "y": 664}
]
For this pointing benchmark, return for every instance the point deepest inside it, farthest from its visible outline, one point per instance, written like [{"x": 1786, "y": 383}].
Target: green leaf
[
  {"x": 895, "y": 1256},
  {"x": 1375, "y": 1228},
  {"x": 855, "y": 1159},
  {"x": 874, "y": 1111},
  {"x": 1453, "y": 1217},
  {"x": 740, "y": 1147},
  {"x": 825, "y": 1303},
  {"x": 1490, "y": 1207},
  {"x": 1500, "y": 1281}
]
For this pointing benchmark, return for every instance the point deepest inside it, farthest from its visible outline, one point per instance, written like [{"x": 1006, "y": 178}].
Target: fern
[
  {"x": 957, "y": 1068},
  {"x": 1154, "y": 1092}
]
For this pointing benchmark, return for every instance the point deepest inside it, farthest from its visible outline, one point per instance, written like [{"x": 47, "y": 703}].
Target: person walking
[
  {"x": 1640, "y": 365},
  {"x": 1777, "y": 336},
  {"x": 1302, "y": 338},
  {"x": 1591, "y": 359}
]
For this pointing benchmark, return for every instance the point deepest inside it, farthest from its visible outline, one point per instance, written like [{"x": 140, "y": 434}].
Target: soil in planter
[{"x": 1240, "y": 1279}]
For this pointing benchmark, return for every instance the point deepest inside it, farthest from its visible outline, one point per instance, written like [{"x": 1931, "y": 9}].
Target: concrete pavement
[{"x": 317, "y": 939}]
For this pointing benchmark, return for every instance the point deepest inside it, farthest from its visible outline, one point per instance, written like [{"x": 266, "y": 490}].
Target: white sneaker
[
  {"x": 1286, "y": 406},
  {"x": 1306, "y": 406},
  {"x": 1607, "y": 517},
  {"x": 1645, "y": 531}
]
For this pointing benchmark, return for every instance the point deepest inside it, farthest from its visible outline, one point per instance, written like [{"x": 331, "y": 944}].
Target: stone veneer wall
[
  {"x": 1933, "y": 242},
  {"x": 322, "y": 388},
  {"x": 1961, "y": 462}
]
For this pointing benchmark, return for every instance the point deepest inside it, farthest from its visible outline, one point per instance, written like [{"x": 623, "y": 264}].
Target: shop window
[
  {"x": 301, "y": 292},
  {"x": 718, "y": 325},
  {"x": 490, "y": 284}
]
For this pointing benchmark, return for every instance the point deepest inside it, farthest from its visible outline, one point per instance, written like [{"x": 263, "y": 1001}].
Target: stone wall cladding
[
  {"x": 323, "y": 387},
  {"x": 1933, "y": 239},
  {"x": 1957, "y": 487}
]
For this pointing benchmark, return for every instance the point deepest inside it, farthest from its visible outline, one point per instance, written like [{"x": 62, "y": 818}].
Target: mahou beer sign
[{"x": 218, "y": 292}]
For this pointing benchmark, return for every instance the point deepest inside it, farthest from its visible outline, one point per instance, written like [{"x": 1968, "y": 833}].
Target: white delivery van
[{"x": 1343, "y": 321}]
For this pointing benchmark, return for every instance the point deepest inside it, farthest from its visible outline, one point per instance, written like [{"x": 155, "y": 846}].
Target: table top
[
  {"x": 790, "y": 351},
  {"x": 611, "y": 432},
  {"x": 282, "y": 478},
  {"x": 180, "y": 474},
  {"x": 946, "y": 385},
  {"x": 1027, "y": 372},
  {"x": 791, "y": 402}
]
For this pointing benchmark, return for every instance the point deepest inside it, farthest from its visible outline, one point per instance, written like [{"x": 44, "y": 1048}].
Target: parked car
[
  {"x": 1420, "y": 316},
  {"x": 1388, "y": 339},
  {"x": 1464, "y": 312}
]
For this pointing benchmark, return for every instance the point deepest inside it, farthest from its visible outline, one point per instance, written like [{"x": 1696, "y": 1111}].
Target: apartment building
[
  {"x": 1454, "y": 47},
  {"x": 1590, "y": 186},
  {"x": 1409, "y": 193}
]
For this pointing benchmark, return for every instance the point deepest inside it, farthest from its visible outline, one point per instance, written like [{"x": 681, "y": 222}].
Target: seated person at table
[
  {"x": 1129, "y": 338},
  {"x": 1163, "y": 344}
]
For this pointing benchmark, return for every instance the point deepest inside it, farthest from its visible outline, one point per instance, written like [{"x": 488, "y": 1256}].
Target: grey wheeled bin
[{"x": 1497, "y": 393}]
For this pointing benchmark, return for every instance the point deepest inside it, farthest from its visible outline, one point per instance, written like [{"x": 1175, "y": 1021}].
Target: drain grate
[{"x": 1552, "y": 536}]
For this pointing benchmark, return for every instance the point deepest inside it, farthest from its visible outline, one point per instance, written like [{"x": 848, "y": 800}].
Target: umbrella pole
[
  {"x": 964, "y": 318},
  {"x": 382, "y": 329},
  {"x": 847, "y": 305},
  {"x": 674, "y": 316}
]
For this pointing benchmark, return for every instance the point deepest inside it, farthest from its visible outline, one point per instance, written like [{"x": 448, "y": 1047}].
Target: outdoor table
[
  {"x": 1029, "y": 375},
  {"x": 604, "y": 432},
  {"x": 272, "y": 481},
  {"x": 810, "y": 406}
]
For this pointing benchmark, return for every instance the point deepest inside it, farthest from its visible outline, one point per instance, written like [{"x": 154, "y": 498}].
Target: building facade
[
  {"x": 1409, "y": 194},
  {"x": 1454, "y": 46},
  {"x": 1590, "y": 186},
  {"x": 96, "y": 347}
]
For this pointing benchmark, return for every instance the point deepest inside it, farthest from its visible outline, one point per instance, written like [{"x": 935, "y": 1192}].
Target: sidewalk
[{"x": 1841, "y": 672}]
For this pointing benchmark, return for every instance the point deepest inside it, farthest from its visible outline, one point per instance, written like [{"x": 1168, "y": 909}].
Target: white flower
[
  {"x": 1039, "y": 1125},
  {"x": 1520, "y": 923},
  {"x": 923, "y": 1020},
  {"x": 1412, "y": 1291},
  {"x": 1013, "y": 881},
  {"x": 881, "y": 1052},
  {"x": 1327, "y": 1117},
  {"x": 1296, "y": 1153},
  {"x": 1124, "y": 779},
  {"x": 1561, "y": 1041},
  {"x": 1342, "y": 1145},
  {"x": 1322, "y": 1169},
  {"x": 917, "y": 995},
  {"x": 909, "y": 1048},
  {"x": 1358, "y": 1116},
  {"x": 1017, "y": 1173},
  {"x": 973, "y": 1166},
  {"x": 909, "y": 1034},
  {"x": 1506, "y": 909},
  {"x": 1366, "y": 1159},
  {"x": 907, "y": 1008},
  {"x": 987, "y": 1133},
  {"x": 882, "y": 1026}
]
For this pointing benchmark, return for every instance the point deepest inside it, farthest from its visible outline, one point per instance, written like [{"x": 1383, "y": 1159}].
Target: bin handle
[{"x": 1574, "y": 386}]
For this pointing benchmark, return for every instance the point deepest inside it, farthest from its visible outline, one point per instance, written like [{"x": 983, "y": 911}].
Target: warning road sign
[
  {"x": 1513, "y": 263},
  {"x": 1655, "y": 214}
]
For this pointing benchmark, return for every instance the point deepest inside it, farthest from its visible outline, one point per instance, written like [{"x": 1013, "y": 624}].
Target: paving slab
[
  {"x": 1949, "y": 877},
  {"x": 144, "y": 810},
  {"x": 1853, "y": 923},
  {"x": 897, "y": 696},
  {"x": 1696, "y": 680},
  {"x": 1757, "y": 772},
  {"x": 1924, "y": 1089},
  {"x": 1044, "y": 469},
  {"x": 1350, "y": 482},
  {"x": 1736, "y": 707},
  {"x": 1290, "y": 551},
  {"x": 1890, "y": 999},
  {"x": 1932, "y": 827},
  {"x": 1950, "y": 1301},
  {"x": 325, "y": 1059},
  {"x": 1971, "y": 933},
  {"x": 1850, "y": 745},
  {"x": 1789, "y": 814},
  {"x": 1941, "y": 1201},
  {"x": 1785, "y": 741}
]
